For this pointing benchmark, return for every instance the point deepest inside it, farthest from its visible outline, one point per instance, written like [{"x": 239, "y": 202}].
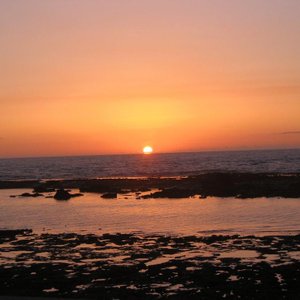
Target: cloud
[{"x": 290, "y": 132}]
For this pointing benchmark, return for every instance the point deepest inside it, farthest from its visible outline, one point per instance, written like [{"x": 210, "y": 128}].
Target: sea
[
  {"x": 140, "y": 165},
  {"x": 93, "y": 214}
]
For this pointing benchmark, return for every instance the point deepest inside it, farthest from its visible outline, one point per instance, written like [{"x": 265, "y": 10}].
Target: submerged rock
[
  {"x": 34, "y": 195},
  {"x": 171, "y": 193},
  {"x": 110, "y": 196}
]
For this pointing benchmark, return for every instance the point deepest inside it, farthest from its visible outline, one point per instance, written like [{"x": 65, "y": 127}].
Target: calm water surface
[{"x": 91, "y": 213}]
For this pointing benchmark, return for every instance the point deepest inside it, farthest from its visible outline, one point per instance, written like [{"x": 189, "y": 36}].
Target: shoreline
[
  {"x": 228, "y": 184},
  {"x": 131, "y": 266}
]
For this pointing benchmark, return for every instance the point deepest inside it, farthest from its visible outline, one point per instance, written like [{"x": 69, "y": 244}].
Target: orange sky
[{"x": 95, "y": 77}]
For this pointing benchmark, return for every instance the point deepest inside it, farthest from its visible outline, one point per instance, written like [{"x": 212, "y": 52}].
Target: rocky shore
[
  {"x": 240, "y": 185},
  {"x": 140, "y": 266}
]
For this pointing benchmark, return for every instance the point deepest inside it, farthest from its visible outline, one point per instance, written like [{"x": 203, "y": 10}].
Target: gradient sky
[{"x": 98, "y": 76}]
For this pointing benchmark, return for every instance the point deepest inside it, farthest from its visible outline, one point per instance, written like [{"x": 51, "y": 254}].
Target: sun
[{"x": 147, "y": 150}]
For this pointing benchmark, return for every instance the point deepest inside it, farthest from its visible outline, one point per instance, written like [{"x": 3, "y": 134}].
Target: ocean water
[
  {"x": 172, "y": 164},
  {"x": 91, "y": 213}
]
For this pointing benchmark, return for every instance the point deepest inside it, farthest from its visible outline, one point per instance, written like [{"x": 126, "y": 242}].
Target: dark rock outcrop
[
  {"x": 148, "y": 266},
  {"x": 62, "y": 194},
  {"x": 33, "y": 195},
  {"x": 174, "y": 193},
  {"x": 110, "y": 196},
  {"x": 226, "y": 184}
]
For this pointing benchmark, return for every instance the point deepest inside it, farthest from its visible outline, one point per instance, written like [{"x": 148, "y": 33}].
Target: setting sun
[
  {"x": 158, "y": 126},
  {"x": 147, "y": 150}
]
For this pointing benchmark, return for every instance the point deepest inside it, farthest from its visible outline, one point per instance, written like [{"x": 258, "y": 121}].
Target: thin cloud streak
[{"x": 291, "y": 132}]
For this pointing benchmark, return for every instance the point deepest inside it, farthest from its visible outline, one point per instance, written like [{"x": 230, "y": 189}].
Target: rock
[
  {"x": 228, "y": 184},
  {"x": 34, "y": 195},
  {"x": 110, "y": 196},
  {"x": 62, "y": 195},
  {"x": 4, "y": 233},
  {"x": 76, "y": 195},
  {"x": 171, "y": 193}
]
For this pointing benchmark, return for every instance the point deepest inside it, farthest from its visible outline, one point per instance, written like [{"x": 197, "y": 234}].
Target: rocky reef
[
  {"x": 140, "y": 266},
  {"x": 240, "y": 185}
]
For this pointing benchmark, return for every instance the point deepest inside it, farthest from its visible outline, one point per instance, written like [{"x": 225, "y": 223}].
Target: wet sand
[{"x": 135, "y": 266}]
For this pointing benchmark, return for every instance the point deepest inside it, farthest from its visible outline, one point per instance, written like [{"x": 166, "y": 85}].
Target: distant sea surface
[{"x": 172, "y": 164}]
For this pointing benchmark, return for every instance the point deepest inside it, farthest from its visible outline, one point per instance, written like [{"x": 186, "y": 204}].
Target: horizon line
[{"x": 154, "y": 153}]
